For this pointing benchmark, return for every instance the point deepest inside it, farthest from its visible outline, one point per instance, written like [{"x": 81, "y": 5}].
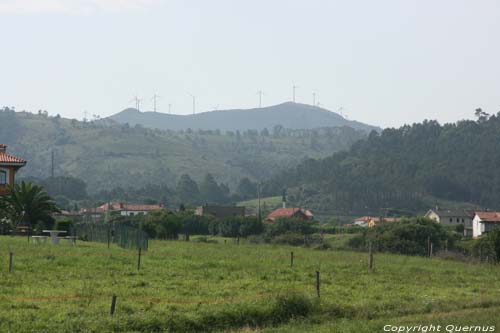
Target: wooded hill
[
  {"x": 106, "y": 155},
  {"x": 411, "y": 168}
]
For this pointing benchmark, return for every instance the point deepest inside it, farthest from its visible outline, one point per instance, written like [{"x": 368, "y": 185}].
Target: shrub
[{"x": 290, "y": 238}]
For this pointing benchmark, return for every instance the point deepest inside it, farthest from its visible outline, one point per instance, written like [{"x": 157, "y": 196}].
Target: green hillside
[
  {"x": 411, "y": 168},
  {"x": 106, "y": 155}
]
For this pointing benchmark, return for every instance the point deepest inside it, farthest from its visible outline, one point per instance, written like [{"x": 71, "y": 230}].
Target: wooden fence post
[
  {"x": 113, "y": 305},
  {"x": 10, "y": 262},
  {"x": 139, "y": 260},
  {"x": 109, "y": 236},
  {"x": 429, "y": 247},
  {"x": 317, "y": 282},
  {"x": 291, "y": 259},
  {"x": 370, "y": 256},
  {"x": 432, "y": 248}
]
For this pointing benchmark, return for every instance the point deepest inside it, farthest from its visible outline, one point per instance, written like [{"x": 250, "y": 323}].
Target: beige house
[{"x": 452, "y": 217}]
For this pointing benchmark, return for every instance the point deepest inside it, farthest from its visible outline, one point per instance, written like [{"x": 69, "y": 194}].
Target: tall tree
[
  {"x": 210, "y": 190},
  {"x": 187, "y": 190}
]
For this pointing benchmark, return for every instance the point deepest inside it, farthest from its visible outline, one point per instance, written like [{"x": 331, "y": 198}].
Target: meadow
[{"x": 222, "y": 286}]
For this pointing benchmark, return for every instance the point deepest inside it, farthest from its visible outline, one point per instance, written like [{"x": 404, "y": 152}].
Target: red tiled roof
[
  {"x": 489, "y": 216},
  {"x": 284, "y": 212},
  {"x": 6, "y": 158}
]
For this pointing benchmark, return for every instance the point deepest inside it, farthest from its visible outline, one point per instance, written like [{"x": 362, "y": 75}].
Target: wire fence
[{"x": 121, "y": 235}]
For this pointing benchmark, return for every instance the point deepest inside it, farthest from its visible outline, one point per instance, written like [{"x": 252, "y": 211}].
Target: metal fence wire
[{"x": 124, "y": 236}]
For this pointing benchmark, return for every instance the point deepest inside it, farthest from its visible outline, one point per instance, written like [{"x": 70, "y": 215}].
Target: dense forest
[{"x": 409, "y": 169}]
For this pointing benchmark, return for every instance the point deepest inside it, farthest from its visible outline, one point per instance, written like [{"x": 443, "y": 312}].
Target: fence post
[
  {"x": 109, "y": 236},
  {"x": 10, "y": 262},
  {"x": 370, "y": 256},
  {"x": 139, "y": 260},
  {"x": 113, "y": 305},
  {"x": 317, "y": 283},
  {"x": 432, "y": 248},
  {"x": 429, "y": 247},
  {"x": 291, "y": 259}
]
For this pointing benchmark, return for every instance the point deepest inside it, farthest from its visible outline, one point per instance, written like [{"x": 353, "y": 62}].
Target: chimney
[
  {"x": 284, "y": 198},
  {"x": 3, "y": 148}
]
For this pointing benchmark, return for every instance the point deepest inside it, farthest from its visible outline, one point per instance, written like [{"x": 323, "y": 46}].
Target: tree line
[{"x": 405, "y": 167}]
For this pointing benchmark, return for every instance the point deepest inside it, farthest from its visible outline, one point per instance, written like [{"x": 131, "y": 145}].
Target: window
[
  {"x": 458, "y": 220},
  {"x": 3, "y": 177},
  {"x": 451, "y": 220}
]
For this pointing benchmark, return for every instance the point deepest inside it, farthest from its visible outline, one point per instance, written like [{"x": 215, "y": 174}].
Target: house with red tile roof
[
  {"x": 484, "y": 222},
  {"x": 300, "y": 213},
  {"x": 121, "y": 208},
  {"x": 9, "y": 165}
]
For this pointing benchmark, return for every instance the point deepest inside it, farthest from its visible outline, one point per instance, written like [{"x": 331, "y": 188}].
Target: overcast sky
[{"x": 385, "y": 62}]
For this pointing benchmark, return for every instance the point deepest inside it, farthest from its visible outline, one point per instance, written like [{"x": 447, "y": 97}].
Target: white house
[
  {"x": 452, "y": 217},
  {"x": 484, "y": 222}
]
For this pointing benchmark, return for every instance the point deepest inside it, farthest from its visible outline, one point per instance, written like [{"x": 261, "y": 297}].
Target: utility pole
[
  {"x": 85, "y": 115},
  {"x": 314, "y": 98},
  {"x": 52, "y": 163},
  {"x": 258, "y": 196}
]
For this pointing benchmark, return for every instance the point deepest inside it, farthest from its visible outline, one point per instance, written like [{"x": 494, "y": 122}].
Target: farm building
[
  {"x": 123, "y": 209},
  {"x": 484, "y": 222},
  {"x": 220, "y": 212},
  {"x": 300, "y": 213},
  {"x": 9, "y": 165},
  {"x": 453, "y": 217}
]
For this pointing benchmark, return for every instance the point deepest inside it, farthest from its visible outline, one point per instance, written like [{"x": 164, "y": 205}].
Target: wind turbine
[
  {"x": 315, "y": 94},
  {"x": 155, "y": 98},
  {"x": 194, "y": 102},
  {"x": 341, "y": 111},
  {"x": 294, "y": 87},
  {"x": 260, "y": 93},
  {"x": 137, "y": 101}
]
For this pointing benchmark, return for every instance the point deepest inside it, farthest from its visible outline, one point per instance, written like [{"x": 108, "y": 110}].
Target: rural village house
[
  {"x": 449, "y": 217},
  {"x": 123, "y": 209},
  {"x": 484, "y": 222},
  {"x": 290, "y": 212},
  {"x": 9, "y": 165}
]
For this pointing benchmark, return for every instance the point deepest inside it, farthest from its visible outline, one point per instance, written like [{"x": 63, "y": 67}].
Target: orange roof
[
  {"x": 489, "y": 216},
  {"x": 284, "y": 212},
  {"x": 10, "y": 159}
]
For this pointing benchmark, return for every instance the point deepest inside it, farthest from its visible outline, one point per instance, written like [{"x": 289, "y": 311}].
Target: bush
[
  {"x": 290, "y": 238},
  {"x": 288, "y": 225},
  {"x": 410, "y": 236}
]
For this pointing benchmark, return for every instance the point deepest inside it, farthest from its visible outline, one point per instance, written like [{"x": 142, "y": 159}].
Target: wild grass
[{"x": 205, "y": 286}]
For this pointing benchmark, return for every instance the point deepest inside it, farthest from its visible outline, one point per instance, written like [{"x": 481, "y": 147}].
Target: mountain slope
[
  {"x": 107, "y": 155},
  {"x": 412, "y": 168},
  {"x": 289, "y": 115}
]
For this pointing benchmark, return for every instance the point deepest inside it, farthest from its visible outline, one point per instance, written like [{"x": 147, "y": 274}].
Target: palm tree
[{"x": 27, "y": 203}]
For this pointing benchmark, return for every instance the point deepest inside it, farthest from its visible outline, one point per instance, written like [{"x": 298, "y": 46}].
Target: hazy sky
[{"x": 386, "y": 62}]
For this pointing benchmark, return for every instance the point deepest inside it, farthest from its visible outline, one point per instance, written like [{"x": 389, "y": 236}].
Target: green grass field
[{"x": 195, "y": 286}]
